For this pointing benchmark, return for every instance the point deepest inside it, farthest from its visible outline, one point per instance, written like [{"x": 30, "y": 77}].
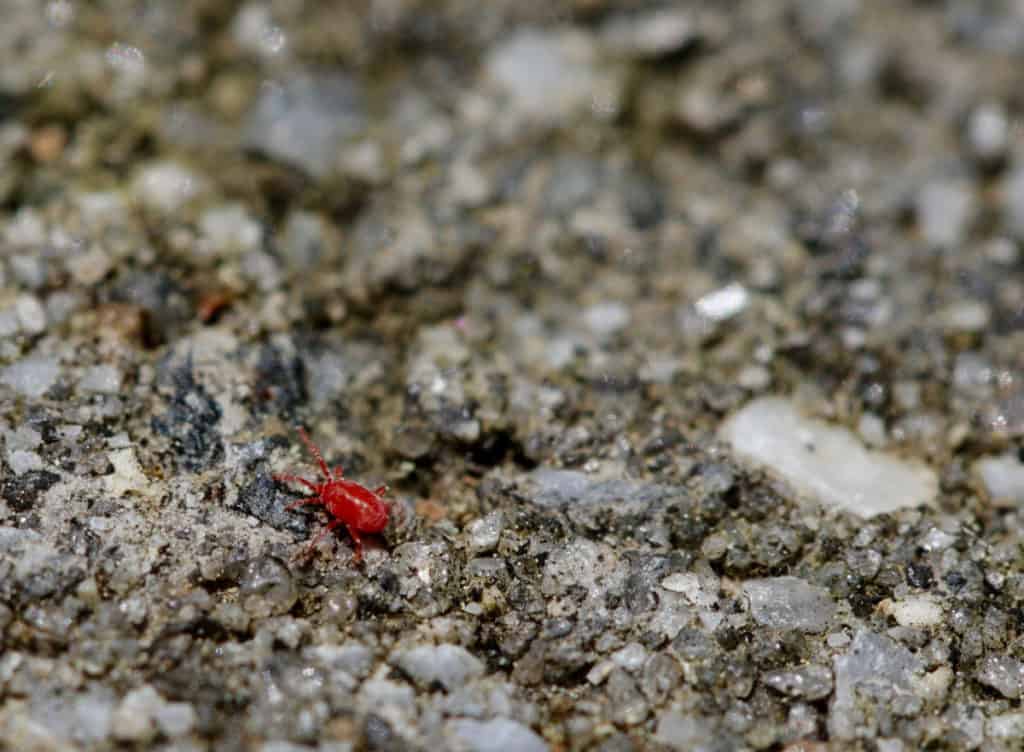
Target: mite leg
[
  {"x": 326, "y": 529},
  {"x": 303, "y": 502},
  {"x": 315, "y": 452},
  {"x": 358, "y": 542},
  {"x": 380, "y": 490},
  {"x": 296, "y": 479},
  {"x": 339, "y": 474}
]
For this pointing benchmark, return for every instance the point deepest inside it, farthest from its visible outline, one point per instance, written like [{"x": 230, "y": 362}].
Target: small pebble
[
  {"x": 267, "y": 588},
  {"x": 101, "y": 379},
  {"x": 127, "y": 475},
  {"x": 724, "y": 303},
  {"x": 485, "y": 533},
  {"x": 945, "y": 209},
  {"x": 31, "y": 314},
  {"x": 451, "y": 666},
  {"x": 789, "y": 603},
  {"x": 495, "y": 735},
  {"x": 988, "y": 130},
  {"x": 167, "y": 186},
  {"x": 1002, "y": 477},
  {"x": 22, "y": 461},
  {"x": 90, "y": 267},
  {"x": 606, "y": 318},
  {"x": 134, "y": 719},
  {"x": 229, "y": 229},
  {"x": 914, "y": 611},
  {"x": 31, "y": 377}
]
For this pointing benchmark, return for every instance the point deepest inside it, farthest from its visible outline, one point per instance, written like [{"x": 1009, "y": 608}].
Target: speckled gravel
[{"x": 686, "y": 337}]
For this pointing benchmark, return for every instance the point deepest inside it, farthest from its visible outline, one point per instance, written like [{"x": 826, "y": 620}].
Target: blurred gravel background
[{"x": 688, "y": 336}]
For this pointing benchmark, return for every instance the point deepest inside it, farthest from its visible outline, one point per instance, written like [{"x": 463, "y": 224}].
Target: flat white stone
[{"x": 823, "y": 462}]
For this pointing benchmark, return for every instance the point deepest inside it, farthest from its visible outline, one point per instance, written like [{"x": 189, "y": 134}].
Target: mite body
[{"x": 348, "y": 503}]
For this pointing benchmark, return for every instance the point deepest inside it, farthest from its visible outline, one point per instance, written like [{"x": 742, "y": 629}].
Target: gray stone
[
  {"x": 451, "y": 666},
  {"x": 103, "y": 379},
  {"x": 1003, "y": 674},
  {"x": 485, "y": 533},
  {"x": 545, "y": 75},
  {"x": 945, "y": 209},
  {"x": 690, "y": 733},
  {"x": 495, "y": 735},
  {"x": 304, "y": 121},
  {"x": 789, "y": 603},
  {"x": 875, "y": 666},
  {"x": 549, "y": 487},
  {"x": 31, "y": 377}
]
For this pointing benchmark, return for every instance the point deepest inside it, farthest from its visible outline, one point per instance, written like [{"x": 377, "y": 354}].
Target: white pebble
[
  {"x": 681, "y": 582},
  {"x": 495, "y": 735},
  {"x": 825, "y": 463},
  {"x": 966, "y": 316},
  {"x": 166, "y": 186},
  {"x": 606, "y": 318},
  {"x": 133, "y": 720},
  {"x": 631, "y": 657},
  {"x": 22, "y": 461},
  {"x": 451, "y": 666},
  {"x": 254, "y": 30},
  {"x": 229, "y": 229},
  {"x": 28, "y": 270},
  {"x": 31, "y": 314},
  {"x": 724, "y": 303},
  {"x": 90, "y": 267},
  {"x": 9, "y": 323},
  {"x": 914, "y": 611},
  {"x": 754, "y": 378},
  {"x": 127, "y": 475},
  {"x": 541, "y": 75},
  {"x": 1002, "y": 477},
  {"x": 988, "y": 129},
  {"x": 658, "y": 32},
  {"x": 485, "y": 533},
  {"x": 945, "y": 210},
  {"x": 176, "y": 718},
  {"x": 789, "y": 603},
  {"x": 31, "y": 377},
  {"x": 872, "y": 429}
]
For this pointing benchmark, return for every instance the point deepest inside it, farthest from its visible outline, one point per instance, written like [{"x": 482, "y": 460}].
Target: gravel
[{"x": 683, "y": 340}]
